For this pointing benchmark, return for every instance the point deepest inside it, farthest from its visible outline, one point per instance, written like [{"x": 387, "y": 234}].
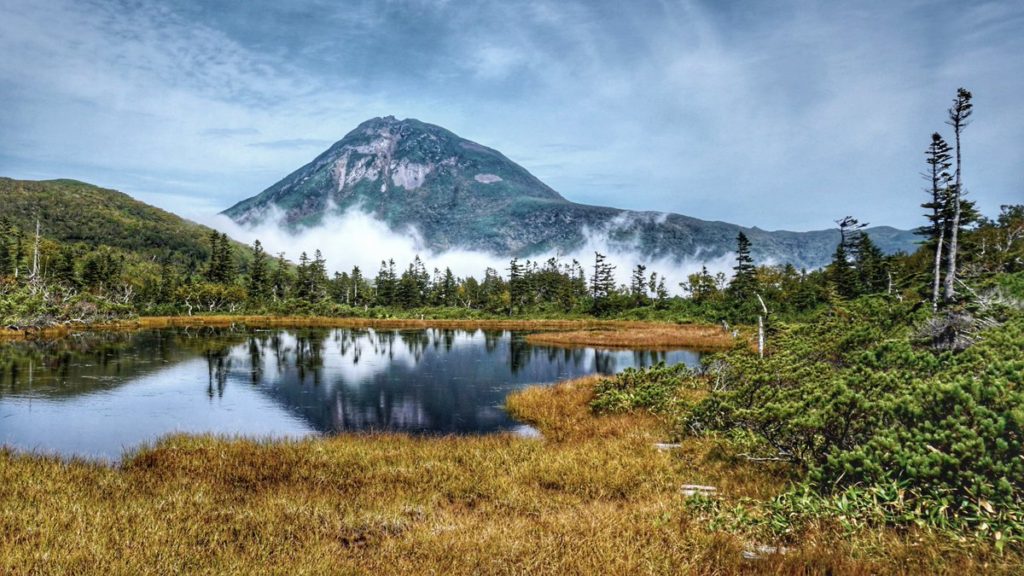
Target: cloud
[
  {"x": 492, "y": 62},
  {"x": 292, "y": 143},
  {"x": 229, "y": 132},
  {"x": 354, "y": 238}
]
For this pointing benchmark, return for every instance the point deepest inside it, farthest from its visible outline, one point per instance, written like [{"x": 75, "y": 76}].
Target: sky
[{"x": 781, "y": 115}]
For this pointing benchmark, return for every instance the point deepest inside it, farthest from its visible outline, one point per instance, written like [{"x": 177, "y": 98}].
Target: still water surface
[{"x": 99, "y": 394}]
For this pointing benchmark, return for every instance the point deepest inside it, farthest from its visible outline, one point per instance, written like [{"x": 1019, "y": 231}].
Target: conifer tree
[
  {"x": 226, "y": 262},
  {"x": 579, "y": 280},
  {"x": 638, "y": 285},
  {"x": 212, "y": 272},
  {"x": 422, "y": 281},
  {"x": 340, "y": 288},
  {"x": 841, "y": 271},
  {"x": 602, "y": 284},
  {"x": 516, "y": 285},
  {"x": 317, "y": 277},
  {"x": 661, "y": 293},
  {"x": 63, "y": 268},
  {"x": 448, "y": 289},
  {"x": 744, "y": 280},
  {"x": 959, "y": 118},
  {"x": 386, "y": 283},
  {"x": 281, "y": 279},
  {"x": 408, "y": 292},
  {"x": 872, "y": 267},
  {"x": 938, "y": 158},
  {"x": 259, "y": 280},
  {"x": 221, "y": 267},
  {"x": 169, "y": 282},
  {"x": 702, "y": 286},
  {"x": 301, "y": 287},
  {"x": 101, "y": 268},
  {"x": 360, "y": 290}
]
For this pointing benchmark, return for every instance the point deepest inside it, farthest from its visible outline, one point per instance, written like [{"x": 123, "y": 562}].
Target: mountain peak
[
  {"x": 397, "y": 169},
  {"x": 380, "y": 122},
  {"x": 460, "y": 194}
]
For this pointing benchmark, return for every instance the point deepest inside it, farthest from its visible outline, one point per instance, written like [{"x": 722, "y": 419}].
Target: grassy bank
[
  {"x": 648, "y": 335},
  {"x": 593, "y": 497},
  {"x": 567, "y": 332}
]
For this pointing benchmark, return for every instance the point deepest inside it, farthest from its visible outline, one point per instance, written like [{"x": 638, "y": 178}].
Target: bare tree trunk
[
  {"x": 938, "y": 269},
  {"x": 959, "y": 114},
  {"x": 33, "y": 277},
  {"x": 951, "y": 260},
  {"x": 35, "y": 254},
  {"x": 760, "y": 335},
  {"x": 760, "y": 326}
]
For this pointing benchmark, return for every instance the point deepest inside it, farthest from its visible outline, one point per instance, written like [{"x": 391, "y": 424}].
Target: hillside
[
  {"x": 70, "y": 212},
  {"x": 459, "y": 194}
]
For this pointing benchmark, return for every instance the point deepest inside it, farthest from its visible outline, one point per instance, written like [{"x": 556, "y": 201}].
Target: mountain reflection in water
[{"x": 98, "y": 394}]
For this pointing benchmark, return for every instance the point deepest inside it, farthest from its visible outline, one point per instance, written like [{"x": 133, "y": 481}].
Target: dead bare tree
[
  {"x": 760, "y": 326},
  {"x": 33, "y": 279}
]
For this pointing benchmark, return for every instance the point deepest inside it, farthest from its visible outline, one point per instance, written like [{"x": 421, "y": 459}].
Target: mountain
[
  {"x": 70, "y": 212},
  {"x": 459, "y": 194}
]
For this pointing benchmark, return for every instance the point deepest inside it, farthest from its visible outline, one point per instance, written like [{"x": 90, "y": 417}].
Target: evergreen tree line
[{"x": 229, "y": 282}]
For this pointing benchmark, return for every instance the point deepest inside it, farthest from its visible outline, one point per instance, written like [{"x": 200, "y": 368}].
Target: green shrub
[
  {"x": 862, "y": 410},
  {"x": 653, "y": 388}
]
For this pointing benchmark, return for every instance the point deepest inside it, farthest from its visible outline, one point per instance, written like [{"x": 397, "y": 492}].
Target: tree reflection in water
[{"x": 420, "y": 381}]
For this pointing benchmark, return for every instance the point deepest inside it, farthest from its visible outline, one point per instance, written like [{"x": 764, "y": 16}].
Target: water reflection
[{"x": 98, "y": 393}]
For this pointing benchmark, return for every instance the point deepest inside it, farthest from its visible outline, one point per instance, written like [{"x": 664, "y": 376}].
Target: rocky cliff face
[{"x": 459, "y": 194}]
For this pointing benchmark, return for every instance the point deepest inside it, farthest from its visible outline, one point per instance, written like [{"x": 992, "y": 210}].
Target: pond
[{"x": 97, "y": 395}]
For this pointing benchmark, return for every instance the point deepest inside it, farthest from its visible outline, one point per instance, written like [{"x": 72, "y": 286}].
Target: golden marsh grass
[
  {"x": 641, "y": 335},
  {"x": 592, "y": 497},
  {"x": 264, "y": 321}
]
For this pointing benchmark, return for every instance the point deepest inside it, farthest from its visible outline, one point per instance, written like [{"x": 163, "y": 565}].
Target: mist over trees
[{"x": 234, "y": 279}]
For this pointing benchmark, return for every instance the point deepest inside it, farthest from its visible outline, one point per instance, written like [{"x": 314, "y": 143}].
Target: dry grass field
[
  {"x": 641, "y": 335},
  {"x": 592, "y": 497}
]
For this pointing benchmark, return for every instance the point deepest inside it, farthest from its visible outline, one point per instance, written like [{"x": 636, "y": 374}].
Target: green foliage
[
  {"x": 647, "y": 388},
  {"x": 885, "y": 431},
  {"x": 744, "y": 280},
  {"x": 220, "y": 268},
  {"x": 852, "y": 401},
  {"x": 259, "y": 278},
  {"x": 602, "y": 284},
  {"x": 954, "y": 426},
  {"x": 73, "y": 212},
  {"x": 1013, "y": 284},
  {"x": 894, "y": 503}
]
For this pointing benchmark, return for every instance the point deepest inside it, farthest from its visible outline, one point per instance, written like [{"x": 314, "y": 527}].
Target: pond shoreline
[{"x": 616, "y": 334}]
